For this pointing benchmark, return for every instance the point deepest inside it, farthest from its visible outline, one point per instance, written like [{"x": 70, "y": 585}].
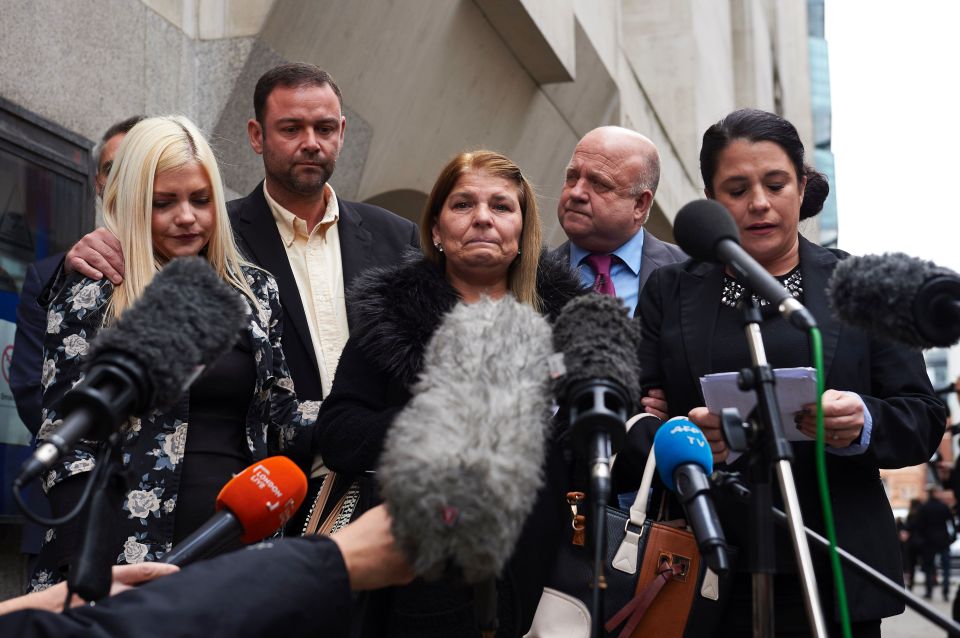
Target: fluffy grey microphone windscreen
[
  {"x": 598, "y": 341},
  {"x": 876, "y": 293},
  {"x": 187, "y": 317},
  {"x": 463, "y": 461}
]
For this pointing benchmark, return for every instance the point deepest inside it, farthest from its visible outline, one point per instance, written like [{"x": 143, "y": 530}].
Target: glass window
[{"x": 46, "y": 204}]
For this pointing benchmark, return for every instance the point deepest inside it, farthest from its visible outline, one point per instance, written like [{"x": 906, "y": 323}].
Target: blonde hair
[
  {"x": 522, "y": 275},
  {"x": 157, "y": 145}
]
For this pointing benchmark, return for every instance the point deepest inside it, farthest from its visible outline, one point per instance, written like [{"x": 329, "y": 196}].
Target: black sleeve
[
  {"x": 28, "y": 352},
  {"x": 291, "y": 587},
  {"x": 908, "y": 418},
  {"x": 650, "y": 316},
  {"x": 354, "y": 419}
]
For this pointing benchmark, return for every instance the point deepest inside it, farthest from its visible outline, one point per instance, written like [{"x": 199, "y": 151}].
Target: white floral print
[
  {"x": 83, "y": 465},
  {"x": 54, "y": 319},
  {"x": 86, "y": 298},
  {"x": 175, "y": 443},
  {"x": 133, "y": 551},
  {"x": 49, "y": 373},
  {"x": 142, "y": 503},
  {"x": 75, "y": 345},
  {"x": 154, "y": 444}
]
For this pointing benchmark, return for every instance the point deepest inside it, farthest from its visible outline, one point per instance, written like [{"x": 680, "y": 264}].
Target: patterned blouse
[{"x": 153, "y": 446}]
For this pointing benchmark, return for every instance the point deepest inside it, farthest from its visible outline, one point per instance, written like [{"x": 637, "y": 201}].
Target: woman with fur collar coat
[{"x": 481, "y": 237}]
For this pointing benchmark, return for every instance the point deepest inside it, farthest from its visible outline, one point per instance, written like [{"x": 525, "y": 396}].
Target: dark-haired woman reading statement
[{"x": 879, "y": 407}]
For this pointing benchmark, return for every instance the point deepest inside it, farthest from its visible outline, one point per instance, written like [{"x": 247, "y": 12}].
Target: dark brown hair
[
  {"x": 754, "y": 126},
  {"x": 291, "y": 75}
]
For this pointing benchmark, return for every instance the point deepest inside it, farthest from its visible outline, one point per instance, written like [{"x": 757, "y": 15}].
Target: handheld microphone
[
  {"x": 187, "y": 316},
  {"x": 251, "y": 506},
  {"x": 684, "y": 463},
  {"x": 601, "y": 386},
  {"x": 462, "y": 462},
  {"x": 898, "y": 298},
  {"x": 706, "y": 231}
]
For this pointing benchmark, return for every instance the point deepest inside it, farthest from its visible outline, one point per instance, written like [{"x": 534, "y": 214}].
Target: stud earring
[{"x": 438, "y": 247}]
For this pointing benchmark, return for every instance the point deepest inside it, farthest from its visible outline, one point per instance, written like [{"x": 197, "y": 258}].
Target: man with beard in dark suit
[{"x": 294, "y": 226}]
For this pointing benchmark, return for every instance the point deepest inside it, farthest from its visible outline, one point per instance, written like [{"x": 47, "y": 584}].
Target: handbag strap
[
  {"x": 627, "y": 557},
  {"x": 314, "y": 522},
  {"x": 634, "y": 610}
]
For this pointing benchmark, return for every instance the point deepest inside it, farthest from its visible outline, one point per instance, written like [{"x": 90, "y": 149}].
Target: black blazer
[
  {"x": 27, "y": 360},
  {"x": 25, "y": 369},
  {"x": 678, "y": 314},
  {"x": 369, "y": 236}
]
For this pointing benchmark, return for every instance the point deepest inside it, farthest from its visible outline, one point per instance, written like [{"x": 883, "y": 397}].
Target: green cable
[{"x": 817, "y": 343}]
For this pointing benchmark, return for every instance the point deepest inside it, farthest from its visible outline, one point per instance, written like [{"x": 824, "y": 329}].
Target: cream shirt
[{"x": 315, "y": 261}]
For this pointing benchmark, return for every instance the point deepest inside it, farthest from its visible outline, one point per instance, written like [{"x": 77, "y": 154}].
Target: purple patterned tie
[{"x": 601, "y": 266}]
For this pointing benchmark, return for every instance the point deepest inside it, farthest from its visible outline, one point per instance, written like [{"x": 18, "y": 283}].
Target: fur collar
[{"x": 394, "y": 310}]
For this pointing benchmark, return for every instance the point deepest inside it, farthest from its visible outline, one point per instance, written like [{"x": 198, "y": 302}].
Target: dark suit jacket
[
  {"x": 25, "y": 371},
  {"x": 369, "y": 236},
  {"x": 655, "y": 253},
  {"x": 678, "y": 310},
  {"x": 28, "y": 344}
]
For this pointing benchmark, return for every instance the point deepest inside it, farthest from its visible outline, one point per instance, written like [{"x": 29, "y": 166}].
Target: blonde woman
[{"x": 164, "y": 199}]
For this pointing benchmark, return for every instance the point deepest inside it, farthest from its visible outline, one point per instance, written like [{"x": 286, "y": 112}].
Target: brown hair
[
  {"x": 292, "y": 75},
  {"x": 522, "y": 276}
]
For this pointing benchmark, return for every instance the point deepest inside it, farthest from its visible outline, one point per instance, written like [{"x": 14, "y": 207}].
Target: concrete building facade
[{"x": 422, "y": 80}]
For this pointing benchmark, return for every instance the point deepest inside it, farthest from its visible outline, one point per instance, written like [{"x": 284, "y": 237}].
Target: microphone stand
[
  {"x": 772, "y": 450},
  {"x": 731, "y": 482},
  {"x": 92, "y": 573},
  {"x": 598, "y": 411}
]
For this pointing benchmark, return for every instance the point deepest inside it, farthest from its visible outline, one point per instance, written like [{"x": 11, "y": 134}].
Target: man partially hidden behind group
[
  {"x": 295, "y": 226},
  {"x": 607, "y": 194},
  {"x": 32, "y": 323}
]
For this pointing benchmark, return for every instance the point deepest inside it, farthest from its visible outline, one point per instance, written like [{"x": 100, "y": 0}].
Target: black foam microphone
[
  {"x": 601, "y": 386},
  {"x": 706, "y": 231},
  {"x": 187, "y": 317},
  {"x": 898, "y": 298}
]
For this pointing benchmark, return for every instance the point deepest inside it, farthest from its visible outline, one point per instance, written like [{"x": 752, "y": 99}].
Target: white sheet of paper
[{"x": 796, "y": 387}]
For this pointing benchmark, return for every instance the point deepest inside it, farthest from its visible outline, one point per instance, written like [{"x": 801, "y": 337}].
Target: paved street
[{"x": 912, "y": 625}]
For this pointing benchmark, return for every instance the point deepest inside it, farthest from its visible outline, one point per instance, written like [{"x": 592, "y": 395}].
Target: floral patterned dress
[{"x": 153, "y": 446}]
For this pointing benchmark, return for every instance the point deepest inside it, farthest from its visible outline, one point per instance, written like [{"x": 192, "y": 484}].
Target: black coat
[
  {"x": 25, "y": 371},
  {"x": 934, "y": 526},
  {"x": 394, "y": 312},
  {"x": 369, "y": 236},
  {"x": 28, "y": 344},
  {"x": 679, "y": 308},
  {"x": 290, "y": 588}
]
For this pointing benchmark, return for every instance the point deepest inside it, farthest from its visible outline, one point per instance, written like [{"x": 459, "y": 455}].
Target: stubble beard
[{"x": 286, "y": 174}]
